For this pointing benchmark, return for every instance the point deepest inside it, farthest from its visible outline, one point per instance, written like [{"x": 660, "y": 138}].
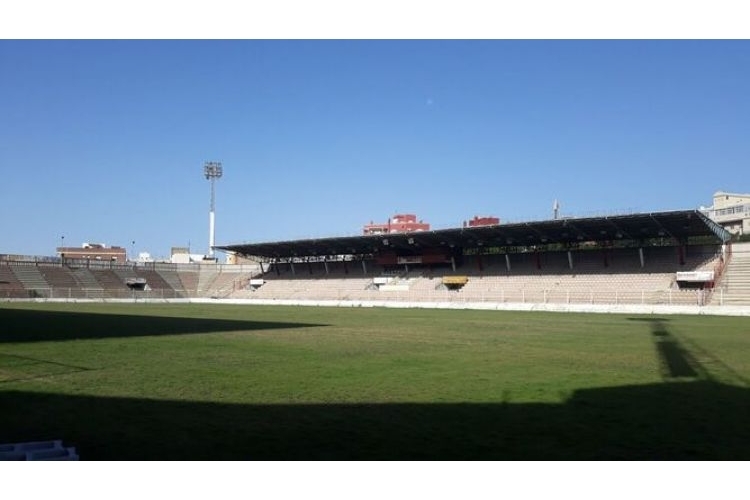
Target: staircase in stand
[{"x": 734, "y": 288}]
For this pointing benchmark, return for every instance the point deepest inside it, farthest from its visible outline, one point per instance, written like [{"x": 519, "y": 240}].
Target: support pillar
[
  {"x": 364, "y": 267},
  {"x": 291, "y": 266},
  {"x": 325, "y": 264},
  {"x": 640, "y": 255},
  {"x": 570, "y": 260},
  {"x": 507, "y": 262},
  {"x": 453, "y": 263}
]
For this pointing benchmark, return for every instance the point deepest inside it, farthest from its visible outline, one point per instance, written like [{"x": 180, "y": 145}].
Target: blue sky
[{"x": 105, "y": 141}]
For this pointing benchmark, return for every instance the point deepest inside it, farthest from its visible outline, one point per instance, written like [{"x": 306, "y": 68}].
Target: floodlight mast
[{"x": 212, "y": 170}]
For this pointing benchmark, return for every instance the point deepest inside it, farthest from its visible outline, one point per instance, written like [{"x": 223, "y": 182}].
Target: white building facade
[{"x": 732, "y": 211}]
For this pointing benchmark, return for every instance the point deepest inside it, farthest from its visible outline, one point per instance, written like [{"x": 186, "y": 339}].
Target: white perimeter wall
[{"x": 484, "y": 306}]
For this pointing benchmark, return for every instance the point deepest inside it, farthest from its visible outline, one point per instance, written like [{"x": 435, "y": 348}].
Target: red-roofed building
[
  {"x": 399, "y": 223},
  {"x": 482, "y": 221}
]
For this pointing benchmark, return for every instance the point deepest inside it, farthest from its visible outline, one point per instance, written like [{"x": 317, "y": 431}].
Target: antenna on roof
[{"x": 556, "y": 210}]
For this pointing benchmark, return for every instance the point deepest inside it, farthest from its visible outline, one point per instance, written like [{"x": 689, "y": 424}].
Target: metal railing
[
  {"x": 557, "y": 296},
  {"x": 113, "y": 265}
]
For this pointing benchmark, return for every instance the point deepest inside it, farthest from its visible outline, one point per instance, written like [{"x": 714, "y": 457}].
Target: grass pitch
[{"x": 148, "y": 381}]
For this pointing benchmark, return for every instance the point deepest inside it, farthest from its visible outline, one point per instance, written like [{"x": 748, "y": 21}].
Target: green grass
[{"x": 126, "y": 381}]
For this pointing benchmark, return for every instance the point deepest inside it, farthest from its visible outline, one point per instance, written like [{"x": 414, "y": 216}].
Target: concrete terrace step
[
  {"x": 30, "y": 277},
  {"x": 173, "y": 280},
  {"x": 86, "y": 279}
]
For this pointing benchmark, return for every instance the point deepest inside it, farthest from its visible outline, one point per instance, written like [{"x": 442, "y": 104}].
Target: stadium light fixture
[{"x": 212, "y": 170}]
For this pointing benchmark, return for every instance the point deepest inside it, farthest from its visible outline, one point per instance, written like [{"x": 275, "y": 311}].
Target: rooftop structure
[{"x": 399, "y": 223}]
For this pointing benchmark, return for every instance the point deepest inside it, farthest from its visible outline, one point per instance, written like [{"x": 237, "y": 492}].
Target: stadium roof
[{"x": 679, "y": 225}]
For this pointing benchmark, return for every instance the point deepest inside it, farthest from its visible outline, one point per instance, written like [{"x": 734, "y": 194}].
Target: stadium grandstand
[
  {"x": 663, "y": 258},
  {"x": 26, "y": 277},
  {"x": 674, "y": 257}
]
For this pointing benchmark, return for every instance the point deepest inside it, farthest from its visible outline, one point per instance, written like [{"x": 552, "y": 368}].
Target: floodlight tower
[{"x": 212, "y": 170}]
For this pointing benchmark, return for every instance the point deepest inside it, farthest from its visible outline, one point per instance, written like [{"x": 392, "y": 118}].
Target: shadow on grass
[
  {"x": 675, "y": 360},
  {"x": 20, "y": 325},
  {"x": 679, "y": 357},
  {"x": 675, "y": 421}
]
